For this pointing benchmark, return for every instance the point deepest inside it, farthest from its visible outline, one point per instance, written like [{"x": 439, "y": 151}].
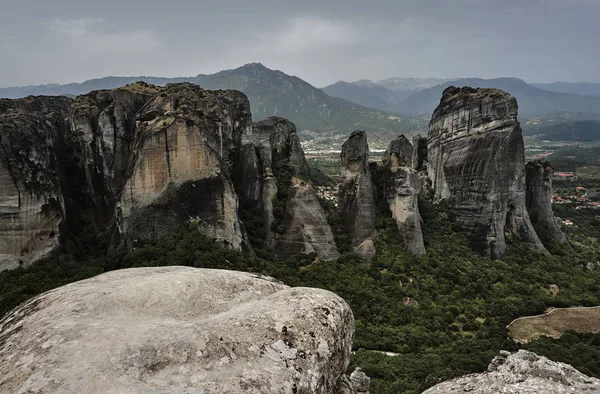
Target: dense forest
[{"x": 443, "y": 314}]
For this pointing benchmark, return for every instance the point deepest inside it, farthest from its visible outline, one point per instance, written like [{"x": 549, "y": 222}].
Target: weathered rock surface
[
  {"x": 357, "y": 194},
  {"x": 136, "y": 163},
  {"x": 402, "y": 149},
  {"x": 419, "y": 155},
  {"x": 539, "y": 203},
  {"x": 476, "y": 163},
  {"x": 305, "y": 225},
  {"x": 521, "y": 373},
  {"x": 103, "y": 125},
  {"x": 402, "y": 187},
  {"x": 31, "y": 198},
  {"x": 176, "y": 330},
  {"x": 181, "y": 169}
]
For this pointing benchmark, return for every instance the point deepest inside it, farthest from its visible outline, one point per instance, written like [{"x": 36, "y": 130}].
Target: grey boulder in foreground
[
  {"x": 521, "y": 373},
  {"x": 177, "y": 330}
]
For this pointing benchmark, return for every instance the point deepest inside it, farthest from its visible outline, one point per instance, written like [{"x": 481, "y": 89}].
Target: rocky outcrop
[
  {"x": 180, "y": 169},
  {"x": 476, "y": 163},
  {"x": 31, "y": 193},
  {"x": 522, "y": 372},
  {"x": 402, "y": 150},
  {"x": 402, "y": 186},
  {"x": 177, "y": 330},
  {"x": 136, "y": 163},
  {"x": 419, "y": 155},
  {"x": 304, "y": 228},
  {"x": 539, "y": 204},
  {"x": 104, "y": 130},
  {"x": 357, "y": 194}
]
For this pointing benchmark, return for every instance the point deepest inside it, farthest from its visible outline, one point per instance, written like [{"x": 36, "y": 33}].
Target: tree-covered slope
[{"x": 583, "y": 131}]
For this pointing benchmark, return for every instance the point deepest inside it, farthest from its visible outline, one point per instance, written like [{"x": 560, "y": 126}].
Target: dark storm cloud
[{"x": 320, "y": 41}]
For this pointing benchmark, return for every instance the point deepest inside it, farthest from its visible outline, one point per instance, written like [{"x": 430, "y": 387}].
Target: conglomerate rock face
[
  {"x": 180, "y": 172},
  {"x": 402, "y": 187},
  {"x": 520, "y": 373},
  {"x": 31, "y": 200},
  {"x": 304, "y": 221},
  {"x": 177, "y": 330},
  {"x": 402, "y": 150},
  {"x": 539, "y": 203},
  {"x": 357, "y": 194},
  {"x": 141, "y": 161},
  {"x": 103, "y": 125},
  {"x": 476, "y": 163}
]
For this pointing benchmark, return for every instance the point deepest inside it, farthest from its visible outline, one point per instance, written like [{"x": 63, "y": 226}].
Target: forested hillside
[{"x": 444, "y": 314}]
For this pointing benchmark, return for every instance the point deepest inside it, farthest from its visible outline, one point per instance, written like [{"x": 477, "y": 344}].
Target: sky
[{"x": 320, "y": 41}]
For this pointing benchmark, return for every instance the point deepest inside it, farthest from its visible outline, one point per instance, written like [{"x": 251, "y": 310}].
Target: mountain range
[
  {"x": 271, "y": 93},
  {"x": 533, "y": 101},
  {"x": 580, "y": 131},
  {"x": 385, "y": 107},
  {"x": 582, "y": 88}
]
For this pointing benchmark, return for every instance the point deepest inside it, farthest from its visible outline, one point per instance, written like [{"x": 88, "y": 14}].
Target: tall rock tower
[
  {"x": 476, "y": 162},
  {"x": 357, "y": 194}
]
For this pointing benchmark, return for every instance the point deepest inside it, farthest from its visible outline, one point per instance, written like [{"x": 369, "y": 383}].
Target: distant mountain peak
[{"x": 254, "y": 65}]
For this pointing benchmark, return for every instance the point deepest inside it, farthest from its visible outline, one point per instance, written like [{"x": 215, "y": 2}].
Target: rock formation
[
  {"x": 539, "y": 203},
  {"x": 180, "y": 172},
  {"x": 177, "y": 330},
  {"x": 103, "y": 125},
  {"x": 419, "y": 155},
  {"x": 521, "y": 372},
  {"x": 138, "y": 162},
  {"x": 402, "y": 186},
  {"x": 31, "y": 200},
  {"x": 357, "y": 194},
  {"x": 402, "y": 149},
  {"x": 476, "y": 163},
  {"x": 303, "y": 224}
]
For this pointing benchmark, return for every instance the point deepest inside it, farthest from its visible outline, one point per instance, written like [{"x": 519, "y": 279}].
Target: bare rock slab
[
  {"x": 521, "y": 373},
  {"x": 176, "y": 330}
]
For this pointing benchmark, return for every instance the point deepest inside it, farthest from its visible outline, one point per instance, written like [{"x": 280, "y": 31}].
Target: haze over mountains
[
  {"x": 533, "y": 101},
  {"x": 389, "y": 106},
  {"x": 271, "y": 93}
]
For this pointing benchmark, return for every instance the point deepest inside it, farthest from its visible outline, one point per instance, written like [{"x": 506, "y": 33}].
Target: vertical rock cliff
[
  {"x": 419, "y": 155},
  {"x": 180, "y": 169},
  {"x": 298, "y": 224},
  {"x": 357, "y": 194},
  {"x": 476, "y": 162},
  {"x": 402, "y": 151},
  {"x": 539, "y": 204},
  {"x": 104, "y": 131},
  {"x": 31, "y": 199},
  {"x": 402, "y": 186},
  {"x": 138, "y": 162}
]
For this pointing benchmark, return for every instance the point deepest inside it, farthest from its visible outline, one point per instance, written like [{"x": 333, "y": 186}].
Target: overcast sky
[{"x": 321, "y": 41}]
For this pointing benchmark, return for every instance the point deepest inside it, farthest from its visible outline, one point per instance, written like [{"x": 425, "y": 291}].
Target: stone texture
[
  {"x": 419, "y": 155},
  {"x": 357, "y": 193},
  {"x": 522, "y": 373},
  {"x": 307, "y": 230},
  {"x": 135, "y": 163},
  {"x": 476, "y": 163},
  {"x": 103, "y": 124},
  {"x": 539, "y": 203},
  {"x": 402, "y": 149},
  {"x": 181, "y": 168},
  {"x": 31, "y": 198},
  {"x": 402, "y": 186},
  {"x": 304, "y": 219},
  {"x": 360, "y": 381},
  {"x": 176, "y": 330}
]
